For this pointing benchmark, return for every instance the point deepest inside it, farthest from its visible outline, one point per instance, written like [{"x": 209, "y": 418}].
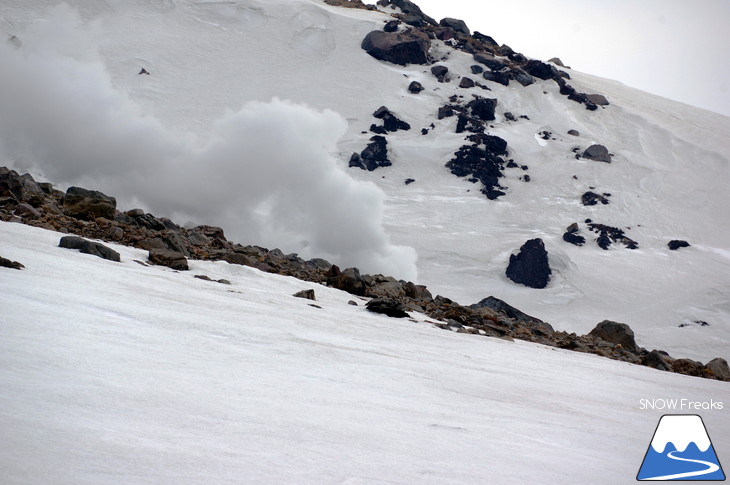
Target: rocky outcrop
[
  {"x": 675, "y": 244},
  {"x": 531, "y": 266},
  {"x": 89, "y": 247},
  {"x": 403, "y": 48},
  {"x": 387, "y": 306},
  {"x": 415, "y": 87},
  {"x": 591, "y": 198},
  {"x": 455, "y": 24},
  {"x": 482, "y": 162},
  {"x": 412, "y": 13},
  {"x": 375, "y": 155},
  {"x": 391, "y": 123},
  {"x": 306, "y": 294},
  {"x": 88, "y": 204},
  {"x": 441, "y": 73}
]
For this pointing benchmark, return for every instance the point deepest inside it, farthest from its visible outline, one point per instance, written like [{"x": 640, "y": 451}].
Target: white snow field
[
  {"x": 177, "y": 143},
  {"x": 118, "y": 373}
]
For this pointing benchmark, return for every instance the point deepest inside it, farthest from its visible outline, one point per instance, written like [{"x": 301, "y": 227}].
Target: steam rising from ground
[{"x": 265, "y": 172}]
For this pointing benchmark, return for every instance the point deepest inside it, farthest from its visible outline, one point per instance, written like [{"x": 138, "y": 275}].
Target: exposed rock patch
[
  {"x": 89, "y": 247},
  {"x": 375, "y": 155},
  {"x": 677, "y": 243},
  {"x": 403, "y": 48},
  {"x": 88, "y": 204},
  {"x": 531, "y": 266},
  {"x": 169, "y": 258},
  {"x": 599, "y": 153},
  {"x": 6, "y": 263}
]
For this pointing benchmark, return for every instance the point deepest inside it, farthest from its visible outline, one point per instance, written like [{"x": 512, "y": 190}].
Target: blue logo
[{"x": 681, "y": 450}]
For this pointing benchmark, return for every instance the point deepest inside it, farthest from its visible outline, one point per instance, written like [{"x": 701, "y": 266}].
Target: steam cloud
[{"x": 264, "y": 173}]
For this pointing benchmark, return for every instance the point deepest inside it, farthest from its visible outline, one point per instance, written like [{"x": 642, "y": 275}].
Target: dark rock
[
  {"x": 169, "y": 258},
  {"x": 482, "y": 108},
  {"x": 352, "y": 303},
  {"x": 557, "y": 61},
  {"x": 497, "y": 77},
  {"x": 491, "y": 62},
  {"x": 719, "y": 368},
  {"x": 456, "y": 24},
  {"x": 409, "y": 181},
  {"x": 508, "y": 310},
  {"x": 598, "y": 99},
  {"x": 146, "y": 220},
  {"x": 445, "y": 112},
  {"x": 375, "y": 155},
  {"x": 521, "y": 77},
  {"x": 530, "y": 267},
  {"x": 6, "y": 263},
  {"x": 446, "y": 33},
  {"x": 391, "y": 26},
  {"x": 387, "y": 306},
  {"x": 615, "y": 333},
  {"x": 482, "y": 164},
  {"x": 89, "y": 247},
  {"x": 89, "y": 204},
  {"x": 391, "y": 123},
  {"x": 677, "y": 243},
  {"x": 608, "y": 234},
  {"x": 688, "y": 367},
  {"x": 410, "y": 10},
  {"x": 598, "y": 153},
  {"x": 540, "y": 70},
  {"x": 574, "y": 239},
  {"x": 348, "y": 280},
  {"x": 409, "y": 47},
  {"x": 477, "y": 69},
  {"x": 657, "y": 359},
  {"x": 574, "y": 132},
  {"x": 306, "y": 294},
  {"x": 415, "y": 87},
  {"x": 509, "y": 116},
  {"x": 591, "y": 198},
  {"x": 440, "y": 72},
  {"x": 466, "y": 83},
  {"x": 485, "y": 39}
]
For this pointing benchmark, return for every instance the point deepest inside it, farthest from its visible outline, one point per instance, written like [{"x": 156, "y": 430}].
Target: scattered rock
[
  {"x": 415, "y": 87},
  {"x": 598, "y": 99},
  {"x": 441, "y": 73},
  {"x": 348, "y": 280},
  {"x": 483, "y": 162},
  {"x": 599, "y": 153},
  {"x": 540, "y": 70},
  {"x": 387, "y": 306},
  {"x": 502, "y": 307},
  {"x": 657, "y": 359},
  {"x": 530, "y": 267},
  {"x": 27, "y": 211},
  {"x": 89, "y": 247},
  {"x": 509, "y": 116},
  {"x": 352, "y": 303},
  {"x": 168, "y": 258},
  {"x": 556, "y": 61},
  {"x": 456, "y": 24},
  {"x": 89, "y": 204},
  {"x": 477, "y": 69},
  {"x": 375, "y": 155},
  {"x": 572, "y": 238},
  {"x": 409, "y": 181},
  {"x": 306, "y": 294},
  {"x": 497, "y": 77},
  {"x": 591, "y": 198},
  {"x": 574, "y": 132},
  {"x": 466, "y": 83},
  {"x": 412, "y": 13},
  {"x": 391, "y": 26},
  {"x": 609, "y": 234},
  {"x": 391, "y": 123},
  {"x": 491, "y": 62},
  {"x": 677, "y": 243},
  {"x": 6, "y": 263},
  {"x": 688, "y": 367},
  {"x": 616, "y": 333},
  {"x": 403, "y": 48}
]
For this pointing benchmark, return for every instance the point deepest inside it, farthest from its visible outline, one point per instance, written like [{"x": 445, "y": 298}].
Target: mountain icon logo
[{"x": 681, "y": 450}]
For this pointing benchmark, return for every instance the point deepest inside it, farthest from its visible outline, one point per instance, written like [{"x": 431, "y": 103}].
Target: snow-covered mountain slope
[
  {"x": 175, "y": 142},
  {"x": 123, "y": 373}
]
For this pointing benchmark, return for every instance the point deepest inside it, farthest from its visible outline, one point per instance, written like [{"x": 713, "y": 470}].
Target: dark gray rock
[
  {"x": 557, "y": 61},
  {"x": 482, "y": 108},
  {"x": 391, "y": 123},
  {"x": 348, "y": 280},
  {"x": 391, "y": 26},
  {"x": 574, "y": 132},
  {"x": 677, "y": 243},
  {"x": 374, "y": 156},
  {"x": 496, "y": 77},
  {"x": 27, "y": 211},
  {"x": 591, "y": 198},
  {"x": 415, "y": 87},
  {"x": 386, "y": 306},
  {"x": 599, "y": 153},
  {"x": 657, "y": 359},
  {"x": 521, "y": 77},
  {"x": 169, "y": 258},
  {"x": 598, "y": 99},
  {"x": 540, "y": 70},
  {"x": 89, "y": 247},
  {"x": 89, "y": 204},
  {"x": 306, "y": 294},
  {"x": 530, "y": 267},
  {"x": 403, "y": 48},
  {"x": 615, "y": 333},
  {"x": 440, "y": 72},
  {"x": 456, "y": 24},
  {"x": 409, "y": 9},
  {"x": 491, "y": 62},
  {"x": 6, "y": 263},
  {"x": 466, "y": 83},
  {"x": 511, "y": 312},
  {"x": 475, "y": 69}
]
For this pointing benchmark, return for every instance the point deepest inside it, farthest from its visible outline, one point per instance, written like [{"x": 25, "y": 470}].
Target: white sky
[{"x": 673, "y": 48}]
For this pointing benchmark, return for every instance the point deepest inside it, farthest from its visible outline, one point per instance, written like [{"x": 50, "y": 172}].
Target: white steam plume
[{"x": 265, "y": 173}]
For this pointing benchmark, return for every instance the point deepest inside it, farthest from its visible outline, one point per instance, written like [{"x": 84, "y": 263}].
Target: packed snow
[{"x": 123, "y": 373}]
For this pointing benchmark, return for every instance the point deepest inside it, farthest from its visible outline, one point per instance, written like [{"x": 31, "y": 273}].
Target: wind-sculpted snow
[{"x": 265, "y": 172}]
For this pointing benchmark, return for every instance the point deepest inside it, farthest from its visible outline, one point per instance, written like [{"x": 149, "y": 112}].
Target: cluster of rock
[
  {"x": 375, "y": 154},
  {"x": 94, "y": 215}
]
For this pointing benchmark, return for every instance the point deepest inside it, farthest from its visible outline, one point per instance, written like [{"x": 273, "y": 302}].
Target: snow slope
[
  {"x": 121, "y": 373},
  {"x": 667, "y": 179}
]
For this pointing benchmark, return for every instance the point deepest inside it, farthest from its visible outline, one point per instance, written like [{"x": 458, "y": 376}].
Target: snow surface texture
[
  {"x": 207, "y": 59},
  {"x": 121, "y": 373}
]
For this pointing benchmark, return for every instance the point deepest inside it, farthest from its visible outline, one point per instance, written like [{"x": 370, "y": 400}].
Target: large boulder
[
  {"x": 409, "y": 47},
  {"x": 456, "y": 24},
  {"x": 412, "y": 13},
  {"x": 599, "y": 153},
  {"x": 719, "y": 369},
  {"x": 89, "y": 247},
  {"x": 88, "y": 204},
  {"x": 387, "y": 306},
  {"x": 615, "y": 333},
  {"x": 348, "y": 280},
  {"x": 508, "y": 310},
  {"x": 530, "y": 267},
  {"x": 169, "y": 258},
  {"x": 374, "y": 155},
  {"x": 540, "y": 70}
]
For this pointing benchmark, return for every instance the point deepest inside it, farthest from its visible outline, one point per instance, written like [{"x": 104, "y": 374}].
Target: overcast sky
[{"x": 673, "y": 48}]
